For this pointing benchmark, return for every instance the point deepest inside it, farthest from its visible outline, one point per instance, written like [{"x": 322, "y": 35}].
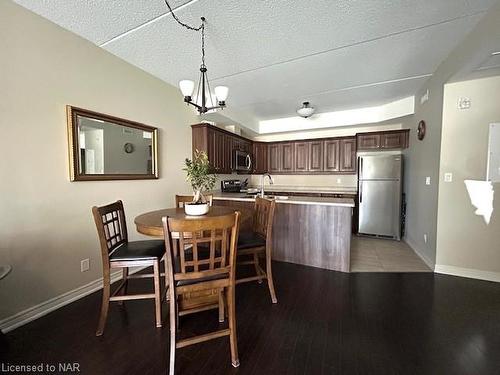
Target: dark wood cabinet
[
  {"x": 219, "y": 145},
  {"x": 332, "y": 155},
  {"x": 315, "y": 156},
  {"x": 287, "y": 151},
  {"x": 301, "y": 156},
  {"x": 348, "y": 155},
  {"x": 315, "y": 151},
  {"x": 368, "y": 141},
  {"x": 259, "y": 158},
  {"x": 394, "y": 140},
  {"x": 274, "y": 158},
  {"x": 387, "y": 140}
]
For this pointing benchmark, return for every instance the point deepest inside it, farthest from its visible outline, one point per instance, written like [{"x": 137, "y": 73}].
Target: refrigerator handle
[
  {"x": 360, "y": 192},
  {"x": 361, "y": 166}
]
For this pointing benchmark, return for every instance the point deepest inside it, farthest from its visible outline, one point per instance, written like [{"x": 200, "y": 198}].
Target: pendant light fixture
[
  {"x": 204, "y": 101},
  {"x": 305, "y": 111}
]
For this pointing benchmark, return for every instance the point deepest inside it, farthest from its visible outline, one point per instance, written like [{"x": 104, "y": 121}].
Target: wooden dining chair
[
  {"x": 195, "y": 269},
  {"x": 259, "y": 241},
  {"x": 181, "y": 199},
  {"x": 118, "y": 252}
]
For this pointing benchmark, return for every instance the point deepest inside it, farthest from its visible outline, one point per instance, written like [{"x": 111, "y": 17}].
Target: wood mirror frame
[{"x": 74, "y": 146}]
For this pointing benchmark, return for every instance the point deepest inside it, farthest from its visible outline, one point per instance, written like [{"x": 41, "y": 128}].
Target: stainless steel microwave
[{"x": 242, "y": 161}]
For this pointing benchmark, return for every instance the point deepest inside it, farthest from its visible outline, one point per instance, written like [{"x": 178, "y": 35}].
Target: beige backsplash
[{"x": 309, "y": 180}]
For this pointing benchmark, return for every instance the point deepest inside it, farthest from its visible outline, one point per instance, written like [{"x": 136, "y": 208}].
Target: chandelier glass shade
[
  {"x": 305, "y": 111},
  {"x": 203, "y": 99}
]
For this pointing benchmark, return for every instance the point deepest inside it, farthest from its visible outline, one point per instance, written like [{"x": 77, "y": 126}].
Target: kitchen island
[{"x": 313, "y": 231}]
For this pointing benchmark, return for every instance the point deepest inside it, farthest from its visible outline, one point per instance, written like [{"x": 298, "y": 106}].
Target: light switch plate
[
  {"x": 448, "y": 177},
  {"x": 85, "y": 265},
  {"x": 427, "y": 180}
]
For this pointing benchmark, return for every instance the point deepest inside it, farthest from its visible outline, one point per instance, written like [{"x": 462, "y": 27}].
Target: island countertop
[
  {"x": 313, "y": 231},
  {"x": 319, "y": 201}
]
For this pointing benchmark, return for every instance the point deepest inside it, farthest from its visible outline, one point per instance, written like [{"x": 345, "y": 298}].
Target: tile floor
[{"x": 378, "y": 255}]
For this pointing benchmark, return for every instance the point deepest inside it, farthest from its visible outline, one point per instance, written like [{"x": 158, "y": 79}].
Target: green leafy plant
[{"x": 199, "y": 175}]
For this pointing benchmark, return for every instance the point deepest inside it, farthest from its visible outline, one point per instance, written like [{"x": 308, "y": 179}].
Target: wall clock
[
  {"x": 128, "y": 147},
  {"x": 421, "y": 130}
]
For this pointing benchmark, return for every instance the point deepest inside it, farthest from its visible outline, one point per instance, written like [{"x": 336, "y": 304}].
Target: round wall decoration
[
  {"x": 421, "y": 130},
  {"x": 128, "y": 148}
]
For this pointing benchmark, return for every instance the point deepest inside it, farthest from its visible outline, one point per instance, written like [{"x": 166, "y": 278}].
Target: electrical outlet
[
  {"x": 427, "y": 180},
  {"x": 425, "y": 238},
  {"x": 448, "y": 177},
  {"x": 85, "y": 265},
  {"x": 339, "y": 180}
]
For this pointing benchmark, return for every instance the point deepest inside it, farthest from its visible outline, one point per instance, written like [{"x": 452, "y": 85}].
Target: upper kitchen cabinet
[
  {"x": 287, "y": 151},
  {"x": 312, "y": 156},
  {"x": 219, "y": 145},
  {"x": 301, "y": 156},
  {"x": 394, "y": 140},
  {"x": 259, "y": 157},
  {"x": 387, "y": 140},
  {"x": 315, "y": 151},
  {"x": 332, "y": 155},
  {"x": 274, "y": 158},
  {"x": 368, "y": 141},
  {"x": 348, "y": 155}
]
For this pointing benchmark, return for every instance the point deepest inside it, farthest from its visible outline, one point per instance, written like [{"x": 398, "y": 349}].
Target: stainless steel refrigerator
[{"x": 380, "y": 194}]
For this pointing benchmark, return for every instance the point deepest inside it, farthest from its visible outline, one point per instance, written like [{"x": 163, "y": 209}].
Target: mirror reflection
[{"x": 109, "y": 148}]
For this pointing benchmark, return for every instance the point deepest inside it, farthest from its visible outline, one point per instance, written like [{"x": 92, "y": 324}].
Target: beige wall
[
  {"x": 464, "y": 240},
  {"x": 423, "y": 158},
  {"x": 46, "y": 226}
]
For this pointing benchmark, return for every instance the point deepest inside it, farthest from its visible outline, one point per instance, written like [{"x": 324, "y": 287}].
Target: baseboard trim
[
  {"x": 420, "y": 254},
  {"x": 468, "y": 272},
  {"x": 23, "y": 317}
]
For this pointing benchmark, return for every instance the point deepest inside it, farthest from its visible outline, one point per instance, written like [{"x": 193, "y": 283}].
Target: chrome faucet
[{"x": 262, "y": 183}]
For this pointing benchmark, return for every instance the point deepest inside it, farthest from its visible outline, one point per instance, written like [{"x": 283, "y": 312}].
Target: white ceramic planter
[{"x": 196, "y": 209}]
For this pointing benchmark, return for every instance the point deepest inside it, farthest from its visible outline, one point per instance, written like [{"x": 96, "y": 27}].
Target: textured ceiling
[{"x": 275, "y": 54}]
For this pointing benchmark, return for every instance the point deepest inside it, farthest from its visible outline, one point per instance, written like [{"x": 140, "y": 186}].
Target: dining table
[{"x": 151, "y": 224}]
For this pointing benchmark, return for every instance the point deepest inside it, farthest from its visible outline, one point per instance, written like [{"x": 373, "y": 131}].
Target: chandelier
[{"x": 204, "y": 101}]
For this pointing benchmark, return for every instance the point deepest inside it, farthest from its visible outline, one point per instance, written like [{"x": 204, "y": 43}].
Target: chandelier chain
[
  {"x": 189, "y": 27},
  {"x": 182, "y": 23}
]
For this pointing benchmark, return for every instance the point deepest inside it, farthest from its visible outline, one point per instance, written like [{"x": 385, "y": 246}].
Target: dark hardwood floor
[{"x": 325, "y": 323}]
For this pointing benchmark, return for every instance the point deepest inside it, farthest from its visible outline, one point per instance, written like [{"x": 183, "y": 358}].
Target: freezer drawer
[{"x": 379, "y": 208}]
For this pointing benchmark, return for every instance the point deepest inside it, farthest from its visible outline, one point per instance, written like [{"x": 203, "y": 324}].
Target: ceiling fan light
[
  {"x": 221, "y": 93},
  {"x": 187, "y": 87},
  {"x": 305, "y": 111}
]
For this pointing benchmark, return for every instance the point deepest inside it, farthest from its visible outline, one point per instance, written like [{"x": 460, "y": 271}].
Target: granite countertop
[
  {"x": 243, "y": 197},
  {"x": 311, "y": 189}
]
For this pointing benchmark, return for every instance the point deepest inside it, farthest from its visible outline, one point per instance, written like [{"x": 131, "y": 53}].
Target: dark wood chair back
[
  {"x": 111, "y": 226},
  {"x": 264, "y": 216},
  {"x": 207, "y": 246},
  {"x": 181, "y": 199}
]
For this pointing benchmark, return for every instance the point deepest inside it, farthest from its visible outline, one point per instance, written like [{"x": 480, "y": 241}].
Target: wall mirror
[{"x": 103, "y": 147}]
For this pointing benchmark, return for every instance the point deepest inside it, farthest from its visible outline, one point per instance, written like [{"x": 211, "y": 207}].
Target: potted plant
[{"x": 201, "y": 178}]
